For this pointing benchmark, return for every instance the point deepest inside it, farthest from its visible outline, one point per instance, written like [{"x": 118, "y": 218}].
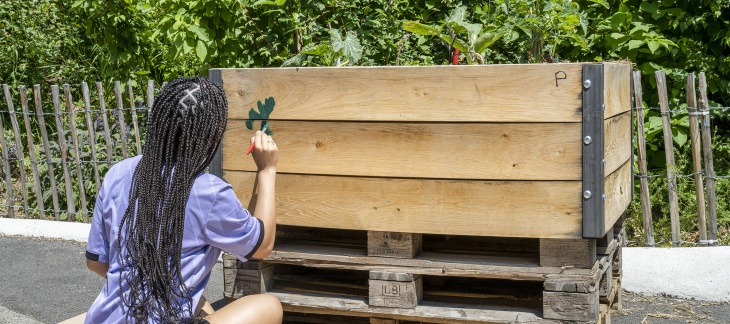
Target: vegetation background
[{"x": 52, "y": 42}]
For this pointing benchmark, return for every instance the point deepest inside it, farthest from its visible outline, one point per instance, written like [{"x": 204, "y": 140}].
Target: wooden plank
[
  {"x": 549, "y": 209},
  {"x": 493, "y": 265},
  {"x": 6, "y": 170},
  {"x": 570, "y": 306},
  {"x": 394, "y": 244},
  {"x": 641, "y": 152},
  {"x": 617, "y": 188},
  {"x": 696, "y": 155},
  {"x": 617, "y": 142},
  {"x": 47, "y": 150},
  {"x": 579, "y": 253},
  {"x": 18, "y": 148},
  {"x": 32, "y": 154},
  {"x": 374, "y": 320},
  {"x": 709, "y": 162},
  {"x": 107, "y": 136},
  {"x": 605, "y": 286},
  {"x": 488, "y": 93},
  {"x": 544, "y": 151},
  {"x": 120, "y": 118},
  {"x": 77, "y": 151},
  {"x": 427, "y": 312},
  {"x": 395, "y": 293},
  {"x": 60, "y": 131},
  {"x": 661, "y": 81},
  {"x": 92, "y": 135},
  {"x": 238, "y": 283},
  {"x": 617, "y": 88},
  {"x": 133, "y": 109}
]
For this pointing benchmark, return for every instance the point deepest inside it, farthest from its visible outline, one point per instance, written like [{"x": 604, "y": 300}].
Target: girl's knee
[{"x": 273, "y": 304}]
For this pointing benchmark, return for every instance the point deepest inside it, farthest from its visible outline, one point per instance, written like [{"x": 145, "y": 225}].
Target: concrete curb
[
  {"x": 696, "y": 273},
  {"x": 45, "y": 229}
]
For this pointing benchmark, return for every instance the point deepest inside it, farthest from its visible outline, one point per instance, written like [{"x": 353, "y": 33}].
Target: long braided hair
[{"x": 183, "y": 132}]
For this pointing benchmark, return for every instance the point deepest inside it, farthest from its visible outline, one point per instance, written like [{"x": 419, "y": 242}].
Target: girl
[{"x": 160, "y": 221}]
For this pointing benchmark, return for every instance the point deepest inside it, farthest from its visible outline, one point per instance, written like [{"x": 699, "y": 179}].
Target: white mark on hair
[{"x": 190, "y": 98}]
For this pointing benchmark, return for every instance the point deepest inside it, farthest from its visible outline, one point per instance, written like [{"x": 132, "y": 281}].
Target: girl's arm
[{"x": 265, "y": 154}]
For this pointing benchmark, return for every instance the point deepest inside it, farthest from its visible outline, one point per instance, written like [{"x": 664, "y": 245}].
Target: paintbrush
[{"x": 263, "y": 130}]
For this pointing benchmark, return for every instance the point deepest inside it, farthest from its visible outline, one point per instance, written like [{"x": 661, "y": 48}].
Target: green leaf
[
  {"x": 679, "y": 137},
  {"x": 653, "y": 45},
  {"x": 486, "y": 39},
  {"x": 201, "y": 50},
  {"x": 349, "y": 47},
  {"x": 635, "y": 43},
  {"x": 421, "y": 29},
  {"x": 249, "y": 124}
]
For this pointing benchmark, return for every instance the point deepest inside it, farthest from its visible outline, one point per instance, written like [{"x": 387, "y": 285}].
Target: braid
[{"x": 183, "y": 133}]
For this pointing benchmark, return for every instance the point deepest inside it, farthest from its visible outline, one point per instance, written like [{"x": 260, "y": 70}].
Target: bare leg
[
  {"x": 76, "y": 320},
  {"x": 263, "y": 308}
]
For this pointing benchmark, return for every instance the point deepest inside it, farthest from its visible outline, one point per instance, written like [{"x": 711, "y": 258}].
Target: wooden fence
[
  {"x": 53, "y": 165},
  {"x": 698, "y": 112}
]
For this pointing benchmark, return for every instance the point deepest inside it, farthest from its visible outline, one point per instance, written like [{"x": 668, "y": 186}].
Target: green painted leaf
[
  {"x": 249, "y": 124},
  {"x": 253, "y": 114},
  {"x": 267, "y": 107},
  {"x": 201, "y": 50},
  {"x": 421, "y": 29}
]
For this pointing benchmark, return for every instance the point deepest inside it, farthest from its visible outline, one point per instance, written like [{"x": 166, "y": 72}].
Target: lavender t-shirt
[{"x": 214, "y": 221}]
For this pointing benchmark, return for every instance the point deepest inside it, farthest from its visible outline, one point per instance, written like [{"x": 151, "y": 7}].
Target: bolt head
[
  {"x": 587, "y": 140},
  {"x": 587, "y": 84},
  {"x": 587, "y": 194}
]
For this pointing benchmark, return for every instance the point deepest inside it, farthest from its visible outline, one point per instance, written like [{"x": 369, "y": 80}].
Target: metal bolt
[
  {"x": 604, "y": 197},
  {"x": 587, "y": 84},
  {"x": 587, "y": 194},
  {"x": 603, "y": 106},
  {"x": 587, "y": 140},
  {"x": 604, "y": 162}
]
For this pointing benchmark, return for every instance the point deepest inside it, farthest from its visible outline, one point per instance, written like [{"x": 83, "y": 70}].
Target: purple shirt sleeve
[
  {"x": 232, "y": 228},
  {"x": 97, "y": 247}
]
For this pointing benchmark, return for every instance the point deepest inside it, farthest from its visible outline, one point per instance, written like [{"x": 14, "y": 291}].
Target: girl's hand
[{"x": 265, "y": 152}]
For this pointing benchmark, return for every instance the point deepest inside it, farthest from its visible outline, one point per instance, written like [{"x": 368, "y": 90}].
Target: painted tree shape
[{"x": 264, "y": 111}]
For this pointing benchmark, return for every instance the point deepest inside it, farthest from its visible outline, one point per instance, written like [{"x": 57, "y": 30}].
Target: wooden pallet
[{"x": 435, "y": 278}]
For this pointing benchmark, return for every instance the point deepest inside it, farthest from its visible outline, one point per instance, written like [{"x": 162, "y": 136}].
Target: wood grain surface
[
  {"x": 545, "y": 151},
  {"x": 522, "y": 93},
  {"x": 617, "y": 189},
  {"x": 617, "y": 88},
  {"x": 547, "y": 209}
]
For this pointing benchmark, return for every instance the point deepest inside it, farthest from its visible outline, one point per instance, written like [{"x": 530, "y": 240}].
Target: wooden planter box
[{"x": 534, "y": 151}]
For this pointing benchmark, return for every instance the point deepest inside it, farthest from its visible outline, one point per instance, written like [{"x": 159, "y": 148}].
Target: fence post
[
  {"x": 102, "y": 110},
  {"x": 6, "y": 169},
  {"x": 696, "y": 156},
  {"x": 133, "y": 109},
  {"x": 18, "y": 146},
  {"x": 46, "y": 149},
  {"x": 709, "y": 164},
  {"x": 77, "y": 151},
  {"x": 32, "y": 155},
  {"x": 70, "y": 201},
  {"x": 661, "y": 83},
  {"x": 92, "y": 133},
  {"x": 643, "y": 181},
  {"x": 120, "y": 118}
]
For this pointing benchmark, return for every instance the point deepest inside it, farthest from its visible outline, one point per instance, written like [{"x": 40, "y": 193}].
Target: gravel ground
[{"x": 46, "y": 281}]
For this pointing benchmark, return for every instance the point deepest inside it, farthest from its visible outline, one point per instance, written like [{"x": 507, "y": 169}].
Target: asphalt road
[{"x": 46, "y": 281}]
